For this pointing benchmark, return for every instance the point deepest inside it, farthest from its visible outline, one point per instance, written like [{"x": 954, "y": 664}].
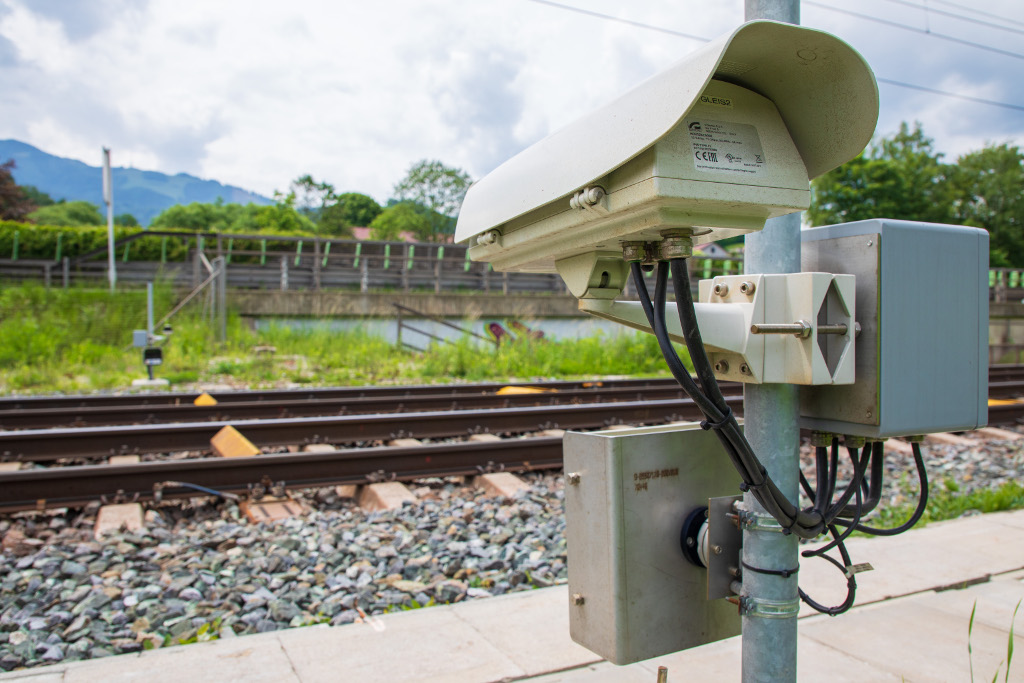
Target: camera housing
[{"x": 718, "y": 143}]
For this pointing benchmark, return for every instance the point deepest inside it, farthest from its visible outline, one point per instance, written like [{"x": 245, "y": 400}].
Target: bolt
[
  {"x": 744, "y": 369},
  {"x": 573, "y": 478},
  {"x": 689, "y": 541},
  {"x": 747, "y": 287},
  {"x": 722, "y": 367},
  {"x": 721, "y": 289},
  {"x": 578, "y": 599},
  {"x": 717, "y": 550},
  {"x": 870, "y": 243}
]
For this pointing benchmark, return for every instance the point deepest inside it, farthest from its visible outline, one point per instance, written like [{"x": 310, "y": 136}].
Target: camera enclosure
[{"x": 718, "y": 143}]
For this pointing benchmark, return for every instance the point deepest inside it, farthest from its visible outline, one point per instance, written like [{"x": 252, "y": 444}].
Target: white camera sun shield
[{"x": 721, "y": 141}]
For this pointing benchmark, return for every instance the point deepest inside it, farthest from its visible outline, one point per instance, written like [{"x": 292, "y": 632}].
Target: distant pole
[
  {"x": 149, "y": 312},
  {"x": 770, "y": 417},
  {"x": 108, "y": 199}
]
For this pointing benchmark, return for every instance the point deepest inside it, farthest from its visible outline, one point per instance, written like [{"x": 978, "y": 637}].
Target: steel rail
[
  {"x": 309, "y": 394},
  {"x": 71, "y": 486},
  {"x": 46, "y": 418},
  {"x": 92, "y": 442}
]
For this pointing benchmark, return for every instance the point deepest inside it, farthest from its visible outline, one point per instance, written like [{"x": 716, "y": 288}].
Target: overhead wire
[
  {"x": 888, "y": 81},
  {"x": 914, "y": 29},
  {"x": 977, "y": 11},
  {"x": 628, "y": 22},
  {"x": 980, "y": 22}
]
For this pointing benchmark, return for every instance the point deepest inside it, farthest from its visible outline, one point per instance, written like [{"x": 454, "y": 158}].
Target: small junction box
[
  {"x": 633, "y": 595},
  {"x": 922, "y": 305}
]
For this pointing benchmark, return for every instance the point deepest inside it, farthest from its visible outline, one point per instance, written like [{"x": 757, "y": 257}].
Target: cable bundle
[{"x": 824, "y": 515}]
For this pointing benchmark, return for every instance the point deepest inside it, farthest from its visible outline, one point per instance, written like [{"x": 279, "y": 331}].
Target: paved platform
[{"x": 910, "y": 624}]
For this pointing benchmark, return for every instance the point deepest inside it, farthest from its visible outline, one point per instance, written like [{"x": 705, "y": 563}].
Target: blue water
[{"x": 387, "y": 328}]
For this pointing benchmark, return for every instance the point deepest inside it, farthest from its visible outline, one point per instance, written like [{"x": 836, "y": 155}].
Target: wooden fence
[{"x": 309, "y": 264}]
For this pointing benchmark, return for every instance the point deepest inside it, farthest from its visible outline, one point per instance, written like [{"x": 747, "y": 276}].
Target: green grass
[
  {"x": 78, "y": 340},
  {"x": 946, "y": 501}
]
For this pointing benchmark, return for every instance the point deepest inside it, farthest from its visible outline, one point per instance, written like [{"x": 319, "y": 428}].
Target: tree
[
  {"x": 310, "y": 196},
  {"x": 15, "y": 204},
  {"x": 898, "y": 177},
  {"x": 126, "y": 220},
  {"x": 986, "y": 190},
  {"x": 354, "y": 208},
  {"x": 77, "y": 213},
  {"x": 437, "y": 188},
  {"x": 216, "y": 217},
  {"x": 399, "y": 218},
  {"x": 37, "y": 196}
]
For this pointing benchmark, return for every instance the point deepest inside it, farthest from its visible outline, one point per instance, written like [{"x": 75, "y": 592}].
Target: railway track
[
  {"x": 511, "y": 414},
  {"x": 337, "y": 402},
  {"x": 41, "y": 445},
  {"x": 44, "y": 412}
]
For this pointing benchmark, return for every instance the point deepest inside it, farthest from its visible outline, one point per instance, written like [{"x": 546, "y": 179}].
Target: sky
[{"x": 255, "y": 93}]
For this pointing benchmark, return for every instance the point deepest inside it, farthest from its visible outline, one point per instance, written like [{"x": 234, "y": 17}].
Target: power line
[
  {"x": 978, "y": 11},
  {"x": 900, "y": 84},
  {"x": 628, "y": 22},
  {"x": 905, "y": 27},
  {"x": 954, "y": 15},
  {"x": 958, "y": 96}
]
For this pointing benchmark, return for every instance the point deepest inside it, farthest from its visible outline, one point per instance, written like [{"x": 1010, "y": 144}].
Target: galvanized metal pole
[
  {"x": 221, "y": 266},
  {"x": 149, "y": 312},
  {"x": 108, "y": 199},
  {"x": 771, "y": 413}
]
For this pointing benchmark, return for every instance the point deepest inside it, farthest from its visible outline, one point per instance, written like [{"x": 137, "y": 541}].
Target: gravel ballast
[{"x": 200, "y": 570}]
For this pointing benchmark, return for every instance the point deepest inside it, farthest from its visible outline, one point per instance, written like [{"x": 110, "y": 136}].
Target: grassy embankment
[{"x": 78, "y": 340}]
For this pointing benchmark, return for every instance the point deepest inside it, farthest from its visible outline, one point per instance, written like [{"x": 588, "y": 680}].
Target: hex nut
[
  {"x": 573, "y": 478},
  {"x": 578, "y": 599}
]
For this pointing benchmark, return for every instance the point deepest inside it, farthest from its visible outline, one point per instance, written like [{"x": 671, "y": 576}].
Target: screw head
[
  {"x": 721, "y": 289},
  {"x": 573, "y": 478},
  {"x": 717, "y": 550},
  {"x": 722, "y": 366},
  {"x": 747, "y": 287},
  {"x": 744, "y": 369},
  {"x": 578, "y": 599}
]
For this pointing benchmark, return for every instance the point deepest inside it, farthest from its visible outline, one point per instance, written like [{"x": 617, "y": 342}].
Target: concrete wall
[{"x": 344, "y": 304}]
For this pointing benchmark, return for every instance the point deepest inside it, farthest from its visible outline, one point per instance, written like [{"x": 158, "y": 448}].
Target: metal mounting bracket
[{"x": 769, "y": 609}]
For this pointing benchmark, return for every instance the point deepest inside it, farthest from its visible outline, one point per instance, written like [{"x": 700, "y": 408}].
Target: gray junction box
[
  {"x": 922, "y": 352},
  {"x": 633, "y": 594}
]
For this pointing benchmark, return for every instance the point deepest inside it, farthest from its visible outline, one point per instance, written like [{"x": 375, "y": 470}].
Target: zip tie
[
  {"x": 708, "y": 424},
  {"x": 784, "y": 573}
]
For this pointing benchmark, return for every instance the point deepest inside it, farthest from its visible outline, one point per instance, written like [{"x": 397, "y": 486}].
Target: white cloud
[{"x": 255, "y": 93}]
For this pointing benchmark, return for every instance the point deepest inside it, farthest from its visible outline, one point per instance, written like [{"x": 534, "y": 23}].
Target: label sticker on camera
[{"x": 721, "y": 146}]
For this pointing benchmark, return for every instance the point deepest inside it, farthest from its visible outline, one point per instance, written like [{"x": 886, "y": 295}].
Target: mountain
[{"x": 144, "y": 194}]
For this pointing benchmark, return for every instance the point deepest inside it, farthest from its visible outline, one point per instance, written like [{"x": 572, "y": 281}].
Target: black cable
[
  {"x": 922, "y": 502},
  {"x": 833, "y": 472},
  {"x": 820, "y": 552},
  {"x": 838, "y": 541},
  {"x": 851, "y": 582},
  {"x": 821, "y": 476},
  {"x": 872, "y": 490},
  {"x": 859, "y": 466}
]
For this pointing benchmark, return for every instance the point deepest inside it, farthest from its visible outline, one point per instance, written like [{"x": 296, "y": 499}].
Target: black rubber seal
[{"x": 689, "y": 537}]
